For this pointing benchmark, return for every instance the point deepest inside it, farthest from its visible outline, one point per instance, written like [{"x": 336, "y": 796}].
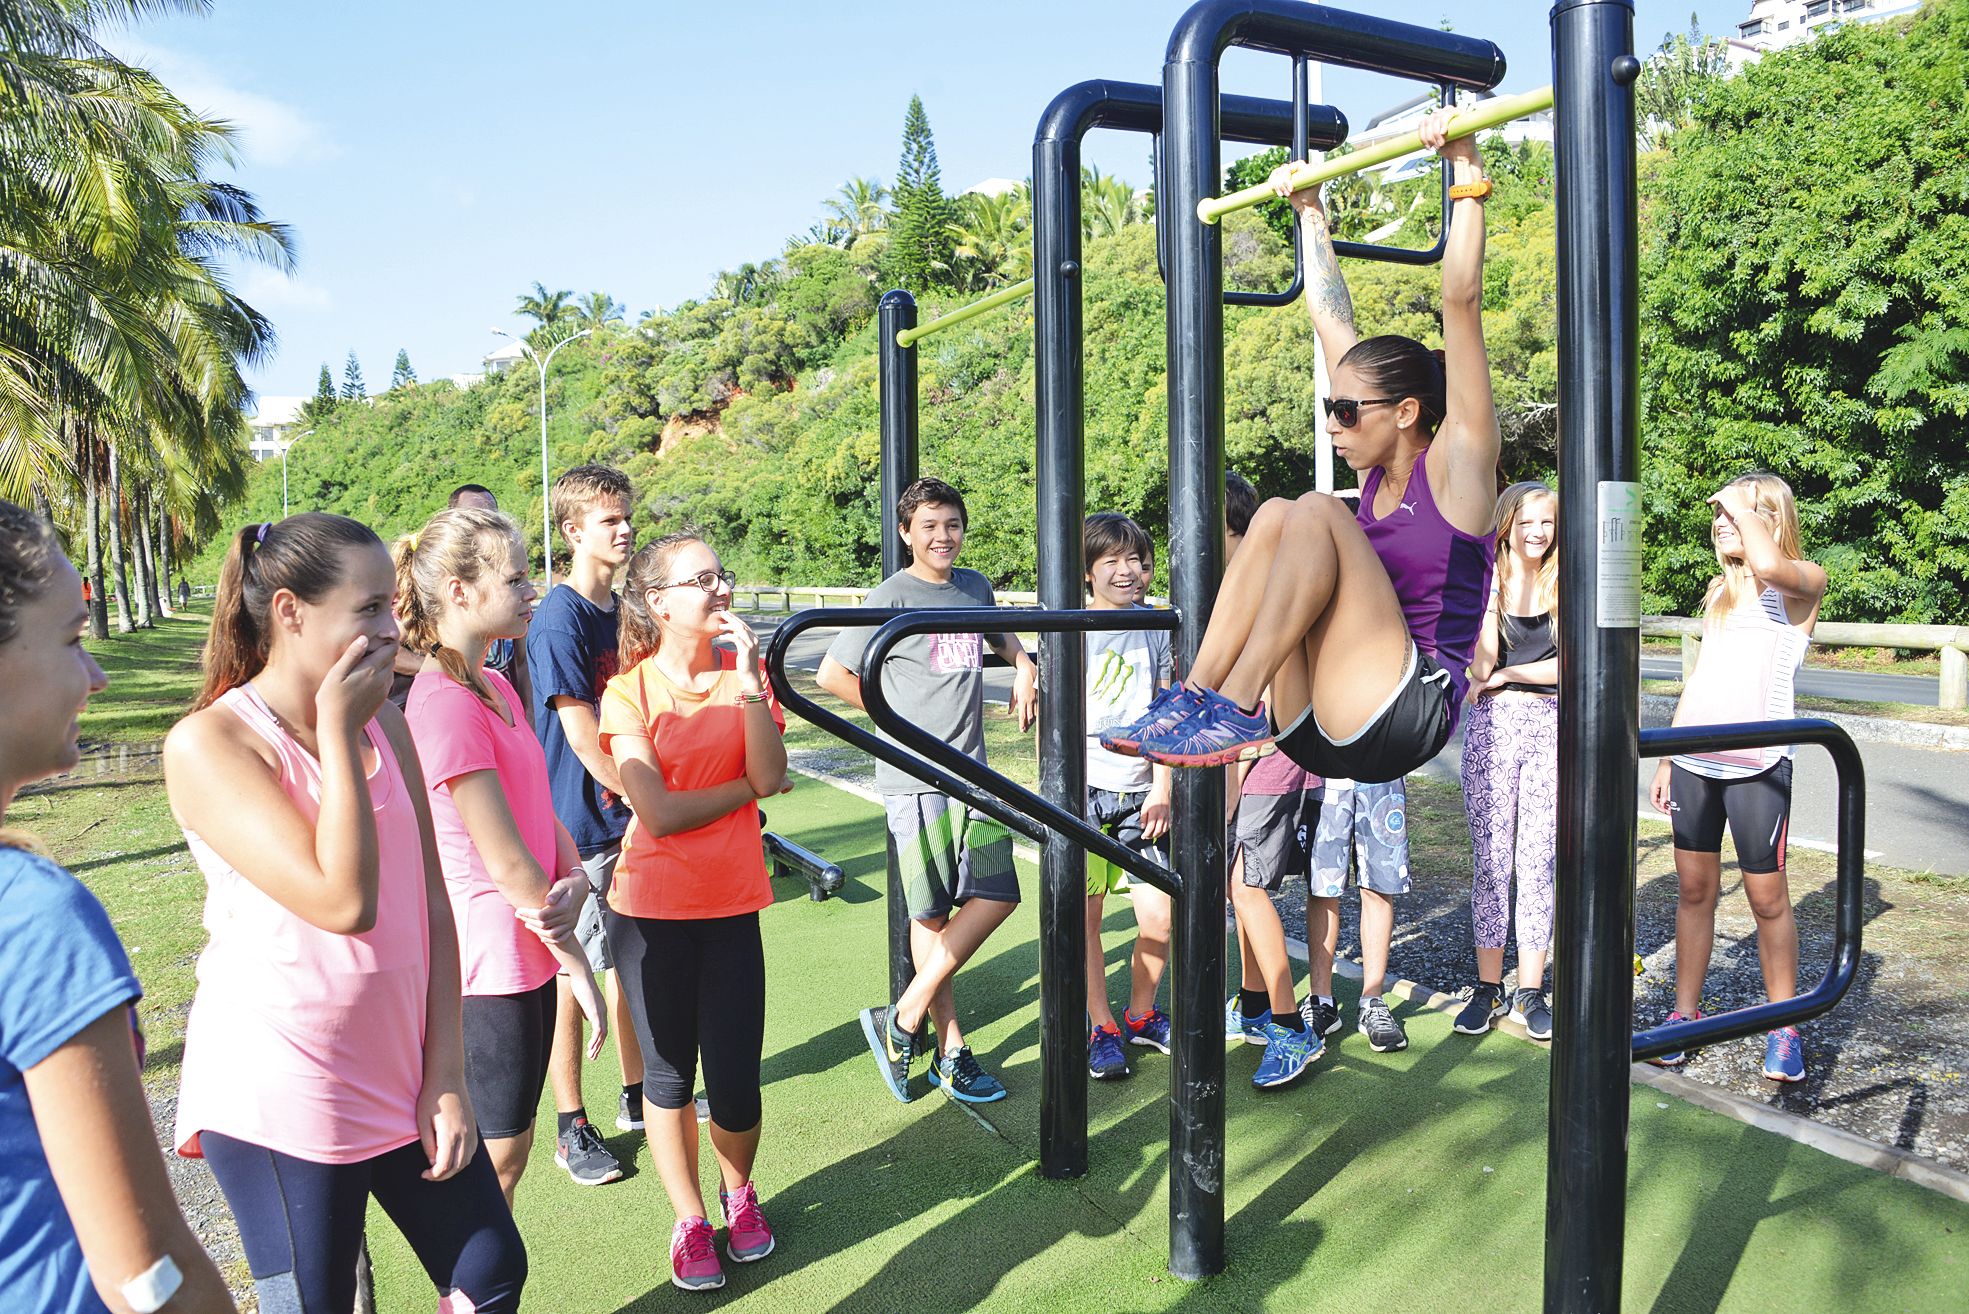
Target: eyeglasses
[
  {"x": 1347, "y": 410},
  {"x": 708, "y": 580}
]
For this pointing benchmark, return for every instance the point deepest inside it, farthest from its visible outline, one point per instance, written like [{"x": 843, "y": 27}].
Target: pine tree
[
  {"x": 318, "y": 406},
  {"x": 352, "y": 385},
  {"x": 920, "y": 251},
  {"x": 402, "y": 376}
]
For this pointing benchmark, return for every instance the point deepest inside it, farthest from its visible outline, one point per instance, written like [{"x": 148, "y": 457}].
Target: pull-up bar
[
  {"x": 1464, "y": 123},
  {"x": 1004, "y": 296}
]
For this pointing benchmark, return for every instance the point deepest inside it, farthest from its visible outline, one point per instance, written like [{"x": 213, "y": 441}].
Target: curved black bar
[
  {"x": 1850, "y": 883},
  {"x": 1137, "y": 107},
  {"x": 1378, "y": 45},
  {"x": 841, "y": 618},
  {"x": 965, "y": 620},
  {"x": 1299, "y": 149}
]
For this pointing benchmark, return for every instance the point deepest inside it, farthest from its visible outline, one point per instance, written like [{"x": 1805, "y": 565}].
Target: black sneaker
[
  {"x": 1481, "y": 1013},
  {"x": 959, "y": 1076},
  {"x": 1383, "y": 1032},
  {"x": 628, "y": 1116},
  {"x": 1321, "y": 1019},
  {"x": 892, "y": 1049},
  {"x": 1529, "y": 1009},
  {"x": 579, "y": 1149}
]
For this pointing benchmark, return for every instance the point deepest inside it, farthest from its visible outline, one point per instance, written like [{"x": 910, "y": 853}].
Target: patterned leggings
[{"x": 1510, "y": 785}]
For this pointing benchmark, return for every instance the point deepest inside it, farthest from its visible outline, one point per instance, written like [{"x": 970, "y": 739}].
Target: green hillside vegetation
[{"x": 1797, "y": 315}]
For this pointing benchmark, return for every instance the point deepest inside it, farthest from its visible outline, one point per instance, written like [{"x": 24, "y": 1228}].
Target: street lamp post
[
  {"x": 546, "y": 506},
  {"x": 283, "y": 470}
]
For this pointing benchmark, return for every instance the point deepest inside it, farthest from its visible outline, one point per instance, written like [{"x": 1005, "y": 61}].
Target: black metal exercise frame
[
  {"x": 823, "y": 878},
  {"x": 1849, "y": 884},
  {"x": 1195, "y": 275}
]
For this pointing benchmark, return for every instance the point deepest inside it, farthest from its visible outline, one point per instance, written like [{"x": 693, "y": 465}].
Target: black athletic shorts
[
  {"x": 1757, "y": 807},
  {"x": 1411, "y": 727},
  {"x": 507, "y": 1038}
]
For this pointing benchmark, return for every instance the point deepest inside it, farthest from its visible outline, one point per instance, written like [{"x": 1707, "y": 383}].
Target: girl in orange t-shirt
[{"x": 696, "y": 736}]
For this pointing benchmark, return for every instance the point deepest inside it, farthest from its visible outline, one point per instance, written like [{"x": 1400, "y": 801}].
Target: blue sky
[{"x": 436, "y": 158}]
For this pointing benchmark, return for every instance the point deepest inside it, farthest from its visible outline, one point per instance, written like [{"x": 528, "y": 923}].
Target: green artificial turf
[{"x": 1407, "y": 1181}]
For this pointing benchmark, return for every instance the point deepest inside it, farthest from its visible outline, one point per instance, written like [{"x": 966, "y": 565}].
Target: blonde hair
[
  {"x": 647, "y": 569},
  {"x": 462, "y": 543},
  {"x": 1770, "y": 497},
  {"x": 1545, "y": 587}
]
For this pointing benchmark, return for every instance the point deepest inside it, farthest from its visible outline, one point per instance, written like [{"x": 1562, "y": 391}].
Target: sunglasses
[
  {"x": 708, "y": 580},
  {"x": 1347, "y": 410}
]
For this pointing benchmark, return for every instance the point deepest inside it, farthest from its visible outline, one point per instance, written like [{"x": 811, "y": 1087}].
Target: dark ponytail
[
  {"x": 301, "y": 554},
  {"x": 1394, "y": 366}
]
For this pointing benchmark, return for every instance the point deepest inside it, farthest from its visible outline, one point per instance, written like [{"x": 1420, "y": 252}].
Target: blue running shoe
[
  {"x": 1676, "y": 1058},
  {"x": 1784, "y": 1055},
  {"x": 1286, "y": 1055},
  {"x": 1105, "y": 1059},
  {"x": 1251, "y": 1030},
  {"x": 958, "y": 1075},
  {"x": 892, "y": 1049},
  {"x": 1168, "y": 707},
  {"x": 1215, "y": 734},
  {"x": 1151, "y": 1031}
]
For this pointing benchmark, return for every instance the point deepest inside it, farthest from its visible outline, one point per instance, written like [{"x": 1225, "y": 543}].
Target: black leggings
[
  {"x": 696, "y": 987},
  {"x": 507, "y": 1038},
  {"x": 301, "y": 1224}
]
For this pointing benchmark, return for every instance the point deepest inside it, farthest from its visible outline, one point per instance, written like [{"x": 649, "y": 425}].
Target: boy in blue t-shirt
[
  {"x": 1127, "y": 797},
  {"x": 571, "y": 653}
]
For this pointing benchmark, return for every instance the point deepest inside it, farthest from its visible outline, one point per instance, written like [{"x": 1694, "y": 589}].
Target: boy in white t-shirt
[{"x": 1127, "y": 797}]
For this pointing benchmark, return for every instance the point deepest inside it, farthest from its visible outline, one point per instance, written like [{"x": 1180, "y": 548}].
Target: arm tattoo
[{"x": 1326, "y": 290}]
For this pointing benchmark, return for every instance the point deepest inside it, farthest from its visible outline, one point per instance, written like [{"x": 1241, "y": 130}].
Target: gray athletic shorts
[
  {"x": 1370, "y": 824},
  {"x": 601, "y": 874},
  {"x": 948, "y": 855},
  {"x": 1274, "y": 835}
]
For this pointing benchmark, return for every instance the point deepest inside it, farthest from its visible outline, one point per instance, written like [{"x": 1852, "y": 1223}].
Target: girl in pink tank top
[
  {"x": 1757, "y": 623},
  {"x": 1361, "y": 625},
  {"x": 323, "y": 1056}
]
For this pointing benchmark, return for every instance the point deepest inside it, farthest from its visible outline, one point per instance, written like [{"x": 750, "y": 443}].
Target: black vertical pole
[
  {"x": 1196, "y": 564},
  {"x": 1599, "y": 667},
  {"x": 1062, "y": 657},
  {"x": 897, "y": 372}
]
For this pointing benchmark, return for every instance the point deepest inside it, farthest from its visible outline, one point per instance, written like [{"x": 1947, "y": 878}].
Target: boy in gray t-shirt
[{"x": 956, "y": 866}]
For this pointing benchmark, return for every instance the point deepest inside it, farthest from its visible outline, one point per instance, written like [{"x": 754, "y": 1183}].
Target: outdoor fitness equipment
[{"x": 1600, "y": 740}]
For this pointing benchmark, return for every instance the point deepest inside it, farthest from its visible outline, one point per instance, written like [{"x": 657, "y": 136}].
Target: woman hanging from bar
[{"x": 1361, "y": 622}]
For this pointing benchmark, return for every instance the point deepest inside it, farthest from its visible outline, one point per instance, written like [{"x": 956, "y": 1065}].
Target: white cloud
[
  {"x": 270, "y": 132},
  {"x": 268, "y": 290}
]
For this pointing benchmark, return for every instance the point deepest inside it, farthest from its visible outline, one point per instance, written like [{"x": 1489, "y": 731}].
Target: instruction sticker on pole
[{"x": 1619, "y": 574}]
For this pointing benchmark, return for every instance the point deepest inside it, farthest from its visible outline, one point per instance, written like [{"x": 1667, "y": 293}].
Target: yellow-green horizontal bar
[
  {"x": 1004, "y": 296},
  {"x": 1464, "y": 123}
]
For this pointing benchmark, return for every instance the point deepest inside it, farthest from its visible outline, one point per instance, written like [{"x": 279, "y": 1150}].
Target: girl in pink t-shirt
[
  {"x": 1757, "y": 623},
  {"x": 323, "y": 1059},
  {"x": 461, "y": 584}
]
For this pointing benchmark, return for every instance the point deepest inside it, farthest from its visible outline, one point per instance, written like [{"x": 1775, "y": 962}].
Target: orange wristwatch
[{"x": 1475, "y": 191}]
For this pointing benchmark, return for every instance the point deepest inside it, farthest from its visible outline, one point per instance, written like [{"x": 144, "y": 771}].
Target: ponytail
[
  {"x": 302, "y": 555},
  {"x": 647, "y": 569},
  {"x": 454, "y": 544}
]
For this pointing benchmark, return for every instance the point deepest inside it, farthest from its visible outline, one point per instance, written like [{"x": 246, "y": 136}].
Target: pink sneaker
[
  {"x": 747, "y": 1235},
  {"x": 694, "y": 1256}
]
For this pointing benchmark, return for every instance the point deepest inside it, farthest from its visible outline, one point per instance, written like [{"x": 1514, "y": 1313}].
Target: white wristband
[{"x": 147, "y": 1292}]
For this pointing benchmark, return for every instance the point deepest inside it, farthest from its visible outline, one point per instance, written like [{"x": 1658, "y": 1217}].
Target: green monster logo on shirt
[{"x": 1111, "y": 681}]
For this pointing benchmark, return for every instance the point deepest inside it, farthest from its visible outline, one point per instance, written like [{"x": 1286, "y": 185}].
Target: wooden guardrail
[{"x": 1951, "y": 641}]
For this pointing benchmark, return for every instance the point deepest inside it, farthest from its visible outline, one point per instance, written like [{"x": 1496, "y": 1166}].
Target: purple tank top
[{"x": 1441, "y": 574}]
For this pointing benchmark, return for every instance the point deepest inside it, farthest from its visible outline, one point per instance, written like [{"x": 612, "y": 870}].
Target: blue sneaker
[
  {"x": 1151, "y": 1031},
  {"x": 1251, "y": 1030},
  {"x": 958, "y": 1075},
  {"x": 1784, "y": 1055},
  {"x": 1676, "y": 1058},
  {"x": 1166, "y": 709},
  {"x": 1286, "y": 1055},
  {"x": 1105, "y": 1059},
  {"x": 1216, "y": 734}
]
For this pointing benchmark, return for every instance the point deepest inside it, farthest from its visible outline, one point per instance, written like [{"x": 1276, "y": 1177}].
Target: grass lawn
[{"x": 153, "y": 676}]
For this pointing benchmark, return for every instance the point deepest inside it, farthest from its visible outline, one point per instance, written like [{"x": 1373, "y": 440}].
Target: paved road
[
  {"x": 1819, "y": 682},
  {"x": 1917, "y": 813}
]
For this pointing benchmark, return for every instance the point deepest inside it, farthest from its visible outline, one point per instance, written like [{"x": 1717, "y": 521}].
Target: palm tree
[
  {"x": 547, "y": 309},
  {"x": 1107, "y": 204},
  {"x": 748, "y": 283},
  {"x": 598, "y": 310},
  {"x": 856, "y": 210},
  {"x": 992, "y": 239}
]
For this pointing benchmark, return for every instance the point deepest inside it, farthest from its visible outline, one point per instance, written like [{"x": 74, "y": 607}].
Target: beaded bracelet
[{"x": 745, "y": 698}]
